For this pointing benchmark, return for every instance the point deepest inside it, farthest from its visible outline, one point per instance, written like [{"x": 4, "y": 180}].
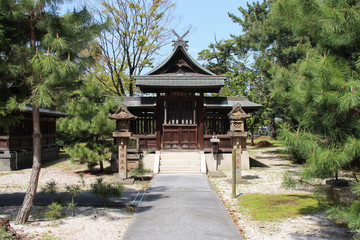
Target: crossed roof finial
[{"x": 180, "y": 41}]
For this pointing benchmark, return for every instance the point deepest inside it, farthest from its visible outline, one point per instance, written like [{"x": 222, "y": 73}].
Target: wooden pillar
[
  {"x": 200, "y": 110},
  {"x": 159, "y": 120}
]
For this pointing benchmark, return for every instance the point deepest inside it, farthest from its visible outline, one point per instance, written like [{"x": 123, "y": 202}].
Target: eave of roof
[
  {"x": 43, "y": 111},
  {"x": 209, "y": 102},
  {"x": 229, "y": 102}
]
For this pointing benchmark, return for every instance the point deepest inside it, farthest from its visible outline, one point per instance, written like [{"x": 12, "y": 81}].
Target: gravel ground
[
  {"x": 109, "y": 223},
  {"x": 89, "y": 222},
  {"x": 268, "y": 179}
]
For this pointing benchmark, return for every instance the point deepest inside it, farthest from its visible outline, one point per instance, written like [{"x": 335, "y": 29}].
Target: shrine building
[
  {"x": 16, "y": 145},
  {"x": 179, "y": 119}
]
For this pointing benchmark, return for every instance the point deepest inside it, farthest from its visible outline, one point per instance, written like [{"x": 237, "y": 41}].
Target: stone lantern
[
  {"x": 238, "y": 136},
  {"x": 122, "y": 136}
]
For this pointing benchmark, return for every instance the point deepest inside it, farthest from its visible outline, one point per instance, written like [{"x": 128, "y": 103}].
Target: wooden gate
[{"x": 179, "y": 136}]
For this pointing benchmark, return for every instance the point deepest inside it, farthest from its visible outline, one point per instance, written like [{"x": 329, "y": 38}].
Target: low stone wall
[{"x": 14, "y": 160}]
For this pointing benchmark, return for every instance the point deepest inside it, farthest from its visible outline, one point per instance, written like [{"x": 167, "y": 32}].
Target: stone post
[{"x": 122, "y": 136}]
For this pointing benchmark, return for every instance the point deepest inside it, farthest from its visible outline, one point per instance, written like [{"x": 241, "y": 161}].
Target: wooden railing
[
  {"x": 216, "y": 125},
  {"x": 143, "y": 125}
]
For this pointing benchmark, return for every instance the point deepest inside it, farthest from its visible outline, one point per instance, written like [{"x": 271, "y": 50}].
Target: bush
[
  {"x": 51, "y": 188},
  {"x": 5, "y": 234},
  {"x": 54, "y": 212},
  {"x": 105, "y": 189},
  {"x": 74, "y": 190}
]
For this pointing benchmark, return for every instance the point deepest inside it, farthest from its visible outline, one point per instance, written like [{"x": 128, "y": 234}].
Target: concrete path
[{"x": 181, "y": 206}]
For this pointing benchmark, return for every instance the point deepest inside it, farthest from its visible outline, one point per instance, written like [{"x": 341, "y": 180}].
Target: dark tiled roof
[{"x": 175, "y": 80}]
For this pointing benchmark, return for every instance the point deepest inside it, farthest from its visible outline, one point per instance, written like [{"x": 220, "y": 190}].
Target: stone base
[
  {"x": 131, "y": 163},
  {"x": 127, "y": 181},
  {"x": 15, "y": 160},
  {"x": 245, "y": 160}
]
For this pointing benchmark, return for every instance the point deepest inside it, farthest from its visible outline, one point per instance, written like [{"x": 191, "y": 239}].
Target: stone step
[
  {"x": 179, "y": 168},
  {"x": 180, "y": 162},
  {"x": 180, "y": 156}
]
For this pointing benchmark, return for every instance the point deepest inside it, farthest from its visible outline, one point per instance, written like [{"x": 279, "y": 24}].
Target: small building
[
  {"x": 178, "y": 116},
  {"x": 16, "y": 144}
]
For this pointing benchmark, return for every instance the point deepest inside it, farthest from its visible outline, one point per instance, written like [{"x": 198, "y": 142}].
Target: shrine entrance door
[{"x": 180, "y": 129}]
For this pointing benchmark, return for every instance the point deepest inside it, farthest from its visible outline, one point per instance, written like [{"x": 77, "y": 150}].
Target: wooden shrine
[{"x": 179, "y": 116}]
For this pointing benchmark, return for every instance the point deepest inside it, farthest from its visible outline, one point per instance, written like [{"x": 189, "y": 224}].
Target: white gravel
[
  {"x": 89, "y": 222},
  {"x": 105, "y": 223},
  {"x": 268, "y": 180}
]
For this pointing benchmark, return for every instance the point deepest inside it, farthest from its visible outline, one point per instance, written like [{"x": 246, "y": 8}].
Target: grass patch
[
  {"x": 273, "y": 207},
  {"x": 64, "y": 165}
]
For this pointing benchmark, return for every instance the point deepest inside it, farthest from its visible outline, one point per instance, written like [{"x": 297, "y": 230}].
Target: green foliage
[
  {"x": 88, "y": 128},
  {"x": 41, "y": 65},
  {"x": 51, "y": 188},
  {"x": 74, "y": 190},
  {"x": 54, "y": 211},
  {"x": 135, "y": 31},
  {"x": 140, "y": 170},
  {"x": 348, "y": 212},
  {"x": 264, "y": 39},
  {"x": 321, "y": 87},
  {"x": 307, "y": 53},
  {"x": 274, "y": 207},
  {"x": 41, "y": 61},
  {"x": 105, "y": 189},
  {"x": 5, "y": 234}
]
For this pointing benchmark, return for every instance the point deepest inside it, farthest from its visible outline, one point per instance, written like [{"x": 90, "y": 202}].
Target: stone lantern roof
[
  {"x": 237, "y": 113},
  {"x": 122, "y": 113}
]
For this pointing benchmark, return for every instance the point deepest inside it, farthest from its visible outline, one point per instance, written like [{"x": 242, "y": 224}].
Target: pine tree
[
  {"x": 264, "y": 40},
  {"x": 223, "y": 58},
  {"x": 88, "y": 129},
  {"x": 323, "y": 86},
  {"x": 321, "y": 89},
  {"x": 43, "y": 64}
]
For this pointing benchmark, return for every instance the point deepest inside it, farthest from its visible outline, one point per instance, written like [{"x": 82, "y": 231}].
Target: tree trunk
[
  {"x": 252, "y": 135},
  {"x": 25, "y": 210},
  {"x": 272, "y": 128},
  {"x": 101, "y": 163}
]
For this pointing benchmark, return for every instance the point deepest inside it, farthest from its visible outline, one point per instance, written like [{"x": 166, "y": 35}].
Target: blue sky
[{"x": 207, "y": 19}]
